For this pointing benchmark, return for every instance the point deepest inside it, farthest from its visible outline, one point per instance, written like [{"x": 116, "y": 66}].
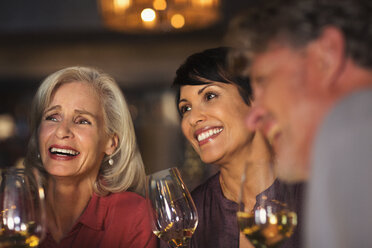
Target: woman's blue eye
[
  {"x": 51, "y": 118},
  {"x": 84, "y": 121}
]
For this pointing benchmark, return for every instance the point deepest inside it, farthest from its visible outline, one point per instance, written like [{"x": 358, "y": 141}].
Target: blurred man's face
[{"x": 283, "y": 82}]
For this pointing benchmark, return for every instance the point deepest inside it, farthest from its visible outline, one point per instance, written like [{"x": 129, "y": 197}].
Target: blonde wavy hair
[{"x": 128, "y": 172}]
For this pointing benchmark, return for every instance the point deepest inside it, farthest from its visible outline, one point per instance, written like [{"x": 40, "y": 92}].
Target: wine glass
[
  {"x": 22, "y": 217},
  {"x": 171, "y": 207},
  {"x": 273, "y": 217}
]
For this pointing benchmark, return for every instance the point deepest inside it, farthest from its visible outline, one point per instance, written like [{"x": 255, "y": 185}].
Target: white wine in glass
[
  {"x": 171, "y": 207},
  {"x": 272, "y": 220},
  {"x": 22, "y": 219}
]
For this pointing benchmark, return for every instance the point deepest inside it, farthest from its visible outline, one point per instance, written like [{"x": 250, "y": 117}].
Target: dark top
[
  {"x": 218, "y": 226},
  {"x": 116, "y": 220}
]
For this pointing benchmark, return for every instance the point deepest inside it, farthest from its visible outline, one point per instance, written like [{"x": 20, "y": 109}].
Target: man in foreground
[{"x": 311, "y": 66}]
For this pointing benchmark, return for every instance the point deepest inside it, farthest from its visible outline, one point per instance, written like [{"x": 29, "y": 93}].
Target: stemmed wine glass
[
  {"x": 22, "y": 217},
  {"x": 273, "y": 218},
  {"x": 171, "y": 207}
]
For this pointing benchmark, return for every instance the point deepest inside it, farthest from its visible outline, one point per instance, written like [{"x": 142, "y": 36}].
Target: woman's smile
[
  {"x": 58, "y": 152},
  {"x": 71, "y": 136},
  {"x": 207, "y": 134},
  {"x": 213, "y": 120}
]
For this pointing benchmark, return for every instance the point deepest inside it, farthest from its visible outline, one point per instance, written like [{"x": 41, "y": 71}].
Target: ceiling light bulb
[{"x": 148, "y": 15}]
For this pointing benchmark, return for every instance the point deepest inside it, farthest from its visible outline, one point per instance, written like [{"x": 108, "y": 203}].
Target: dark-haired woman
[{"x": 213, "y": 105}]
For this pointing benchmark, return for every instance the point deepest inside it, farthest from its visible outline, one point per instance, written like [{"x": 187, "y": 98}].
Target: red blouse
[{"x": 116, "y": 220}]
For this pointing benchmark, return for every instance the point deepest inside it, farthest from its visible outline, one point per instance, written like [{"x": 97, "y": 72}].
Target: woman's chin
[
  {"x": 58, "y": 172},
  {"x": 210, "y": 159}
]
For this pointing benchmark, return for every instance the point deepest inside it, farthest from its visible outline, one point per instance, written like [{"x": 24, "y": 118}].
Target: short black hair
[{"x": 211, "y": 65}]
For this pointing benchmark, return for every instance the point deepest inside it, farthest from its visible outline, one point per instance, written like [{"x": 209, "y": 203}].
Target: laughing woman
[
  {"x": 83, "y": 142},
  {"x": 213, "y": 105}
]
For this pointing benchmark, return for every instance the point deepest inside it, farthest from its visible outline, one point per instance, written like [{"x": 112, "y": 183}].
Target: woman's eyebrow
[
  {"x": 199, "y": 92},
  {"x": 202, "y": 89},
  {"x": 84, "y": 112},
  {"x": 52, "y": 108}
]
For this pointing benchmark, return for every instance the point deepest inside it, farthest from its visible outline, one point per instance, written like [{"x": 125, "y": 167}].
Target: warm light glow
[
  {"x": 23, "y": 227},
  {"x": 177, "y": 21},
  {"x": 260, "y": 216},
  {"x": 273, "y": 219},
  {"x": 7, "y": 126},
  {"x": 148, "y": 15},
  {"x": 159, "y": 4},
  {"x": 121, "y": 4},
  {"x": 159, "y": 15},
  {"x": 284, "y": 220},
  {"x": 10, "y": 223},
  {"x": 32, "y": 241},
  {"x": 41, "y": 193},
  {"x": 203, "y": 2}
]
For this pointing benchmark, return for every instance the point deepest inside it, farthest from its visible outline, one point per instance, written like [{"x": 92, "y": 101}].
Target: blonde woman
[{"x": 83, "y": 142}]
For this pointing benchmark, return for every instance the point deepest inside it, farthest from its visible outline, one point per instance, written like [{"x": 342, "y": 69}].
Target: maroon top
[
  {"x": 218, "y": 225},
  {"x": 116, "y": 220}
]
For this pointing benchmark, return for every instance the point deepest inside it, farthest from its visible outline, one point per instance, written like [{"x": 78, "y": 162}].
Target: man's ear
[
  {"x": 112, "y": 144},
  {"x": 330, "y": 51}
]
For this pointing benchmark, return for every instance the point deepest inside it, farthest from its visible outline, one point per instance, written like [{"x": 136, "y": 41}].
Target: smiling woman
[
  {"x": 213, "y": 105},
  {"x": 83, "y": 141},
  {"x": 72, "y": 140}
]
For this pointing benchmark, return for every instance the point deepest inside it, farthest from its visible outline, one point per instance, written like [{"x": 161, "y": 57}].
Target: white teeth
[
  {"x": 63, "y": 151},
  {"x": 209, "y": 133}
]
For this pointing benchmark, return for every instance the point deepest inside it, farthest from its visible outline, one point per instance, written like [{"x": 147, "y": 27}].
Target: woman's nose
[
  {"x": 63, "y": 130},
  {"x": 197, "y": 115}
]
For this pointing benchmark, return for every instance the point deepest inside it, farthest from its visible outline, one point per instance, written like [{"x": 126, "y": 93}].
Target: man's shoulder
[
  {"x": 356, "y": 104},
  {"x": 350, "y": 116}
]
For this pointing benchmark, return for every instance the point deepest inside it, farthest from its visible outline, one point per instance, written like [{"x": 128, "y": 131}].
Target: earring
[
  {"x": 38, "y": 155},
  {"x": 111, "y": 161}
]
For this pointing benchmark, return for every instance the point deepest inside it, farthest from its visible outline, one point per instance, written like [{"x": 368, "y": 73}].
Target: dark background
[{"x": 39, "y": 37}]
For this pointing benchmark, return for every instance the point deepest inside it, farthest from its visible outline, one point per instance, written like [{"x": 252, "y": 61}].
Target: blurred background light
[
  {"x": 178, "y": 21},
  {"x": 167, "y": 15},
  {"x": 148, "y": 15},
  {"x": 41, "y": 36},
  {"x": 7, "y": 126}
]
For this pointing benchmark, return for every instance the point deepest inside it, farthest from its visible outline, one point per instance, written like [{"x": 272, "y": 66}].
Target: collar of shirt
[{"x": 95, "y": 213}]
